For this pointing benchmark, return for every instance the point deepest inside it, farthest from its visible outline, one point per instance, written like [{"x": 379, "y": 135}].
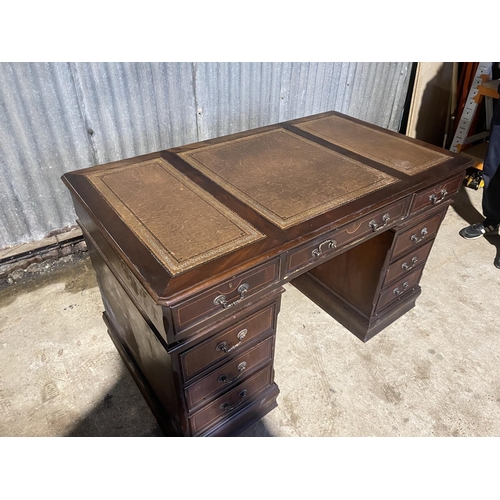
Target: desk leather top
[{"x": 202, "y": 210}]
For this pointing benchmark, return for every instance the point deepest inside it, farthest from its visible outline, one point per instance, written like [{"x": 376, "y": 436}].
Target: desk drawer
[
  {"x": 230, "y": 373},
  {"x": 327, "y": 244},
  {"x": 225, "y": 295},
  {"x": 417, "y": 235},
  {"x": 229, "y": 342},
  {"x": 233, "y": 400},
  {"x": 398, "y": 289},
  {"x": 410, "y": 261},
  {"x": 437, "y": 193}
]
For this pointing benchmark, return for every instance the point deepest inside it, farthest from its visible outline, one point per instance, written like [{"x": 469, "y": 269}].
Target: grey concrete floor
[{"x": 433, "y": 372}]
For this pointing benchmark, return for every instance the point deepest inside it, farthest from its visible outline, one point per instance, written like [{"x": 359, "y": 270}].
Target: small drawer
[
  {"x": 417, "y": 235},
  {"x": 227, "y": 343},
  {"x": 327, "y": 244},
  {"x": 410, "y": 261},
  {"x": 225, "y": 295},
  {"x": 399, "y": 289},
  {"x": 230, "y": 373},
  {"x": 232, "y": 401},
  {"x": 437, "y": 193}
]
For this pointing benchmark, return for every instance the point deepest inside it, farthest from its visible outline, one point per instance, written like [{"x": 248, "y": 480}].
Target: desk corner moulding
[{"x": 192, "y": 246}]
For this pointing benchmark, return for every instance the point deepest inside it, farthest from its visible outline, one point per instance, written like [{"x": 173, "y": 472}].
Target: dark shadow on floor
[
  {"x": 123, "y": 412},
  {"x": 259, "y": 429},
  {"x": 464, "y": 208}
]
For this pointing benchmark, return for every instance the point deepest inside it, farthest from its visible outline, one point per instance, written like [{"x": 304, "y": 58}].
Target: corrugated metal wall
[{"x": 57, "y": 117}]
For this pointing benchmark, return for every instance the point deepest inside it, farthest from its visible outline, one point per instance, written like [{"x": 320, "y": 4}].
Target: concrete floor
[{"x": 434, "y": 372}]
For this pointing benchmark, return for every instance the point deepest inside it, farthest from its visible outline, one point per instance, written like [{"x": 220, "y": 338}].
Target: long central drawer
[{"x": 326, "y": 245}]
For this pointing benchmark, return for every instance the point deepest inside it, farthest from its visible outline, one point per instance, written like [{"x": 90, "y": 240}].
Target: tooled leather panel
[
  {"x": 181, "y": 224},
  {"x": 286, "y": 178},
  {"x": 391, "y": 151}
]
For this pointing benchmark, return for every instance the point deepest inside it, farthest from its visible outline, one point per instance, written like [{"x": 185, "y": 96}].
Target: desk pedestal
[{"x": 374, "y": 283}]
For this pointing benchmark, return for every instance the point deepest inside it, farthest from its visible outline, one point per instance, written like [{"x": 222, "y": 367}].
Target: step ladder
[{"x": 460, "y": 139}]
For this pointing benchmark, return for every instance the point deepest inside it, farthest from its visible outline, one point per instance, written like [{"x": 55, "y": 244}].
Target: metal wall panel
[
  {"x": 42, "y": 135},
  {"x": 136, "y": 108},
  {"x": 57, "y": 117}
]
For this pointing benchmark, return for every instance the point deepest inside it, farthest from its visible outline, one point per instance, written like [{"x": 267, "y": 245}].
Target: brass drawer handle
[
  {"x": 228, "y": 407},
  {"x": 397, "y": 291},
  {"x": 406, "y": 267},
  {"x": 241, "y": 367},
  {"x": 373, "y": 223},
  {"x": 221, "y": 299},
  {"x": 435, "y": 200},
  {"x": 330, "y": 244},
  {"x": 414, "y": 237},
  {"x": 223, "y": 346}
]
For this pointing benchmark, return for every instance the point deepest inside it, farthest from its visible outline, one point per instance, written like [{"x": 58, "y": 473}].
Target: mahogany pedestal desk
[{"x": 191, "y": 247}]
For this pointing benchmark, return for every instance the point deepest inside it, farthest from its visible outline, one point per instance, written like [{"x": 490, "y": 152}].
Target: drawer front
[
  {"x": 225, "y": 295},
  {"x": 327, "y": 244},
  {"x": 228, "y": 343},
  {"x": 230, "y": 373},
  {"x": 437, "y": 193},
  {"x": 417, "y": 235},
  {"x": 399, "y": 289},
  {"x": 403, "y": 266},
  {"x": 232, "y": 401}
]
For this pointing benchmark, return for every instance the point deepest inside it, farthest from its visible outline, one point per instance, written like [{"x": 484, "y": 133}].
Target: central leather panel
[{"x": 285, "y": 177}]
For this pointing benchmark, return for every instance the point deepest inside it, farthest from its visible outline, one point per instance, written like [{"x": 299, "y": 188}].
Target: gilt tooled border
[
  {"x": 282, "y": 222},
  {"x": 415, "y": 169},
  {"x": 149, "y": 240}
]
